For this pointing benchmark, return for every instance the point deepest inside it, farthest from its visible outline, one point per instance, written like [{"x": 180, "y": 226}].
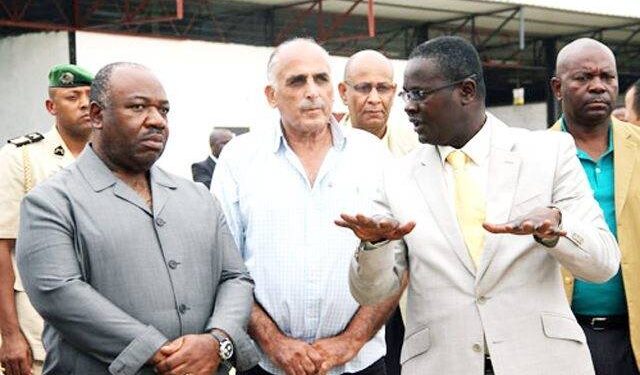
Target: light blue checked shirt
[{"x": 285, "y": 229}]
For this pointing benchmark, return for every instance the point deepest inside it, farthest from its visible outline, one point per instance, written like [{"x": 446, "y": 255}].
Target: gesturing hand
[
  {"x": 542, "y": 222},
  {"x": 374, "y": 229},
  {"x": 190, "y": 354}
]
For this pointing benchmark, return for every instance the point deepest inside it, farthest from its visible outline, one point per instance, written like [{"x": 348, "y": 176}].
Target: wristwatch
[{"x": 225, "y": 349}]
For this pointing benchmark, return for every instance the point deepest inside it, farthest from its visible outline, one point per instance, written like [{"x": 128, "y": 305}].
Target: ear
[
  {"x": 51, "y": 107},
  {"x": 270, "y": 93},
  {"x": 96, "y": 114},
  {"x": 556, "y": 86},
  {"x": 342, "y": 90},
  {"x": 468, "y": 91}
]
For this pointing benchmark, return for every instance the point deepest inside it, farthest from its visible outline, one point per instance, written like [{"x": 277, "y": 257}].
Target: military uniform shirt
[{"x": 22, "y": 168}]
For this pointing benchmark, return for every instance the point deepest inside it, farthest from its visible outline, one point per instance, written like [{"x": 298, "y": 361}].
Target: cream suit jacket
[{"x": 515, "y": 299}]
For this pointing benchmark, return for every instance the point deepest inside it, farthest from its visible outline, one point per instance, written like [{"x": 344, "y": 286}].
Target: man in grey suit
[
  {"x": 480, "y": 301},
  {"x": 134, "y": 270}
]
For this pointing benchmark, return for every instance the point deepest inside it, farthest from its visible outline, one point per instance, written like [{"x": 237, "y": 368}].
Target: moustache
[
  {"x": 154, "y": 135},
  {"x": 309, "y": 105},
  {"x": 599, "y": 99}
]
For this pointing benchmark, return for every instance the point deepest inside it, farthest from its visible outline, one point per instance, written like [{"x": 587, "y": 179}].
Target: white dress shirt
[{"x": 285, "y": 229}]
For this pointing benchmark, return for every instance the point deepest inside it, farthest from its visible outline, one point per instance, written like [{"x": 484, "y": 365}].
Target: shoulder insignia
[
  {"x": 26, "y": 139},
  {"x": 59, "y": 151}
]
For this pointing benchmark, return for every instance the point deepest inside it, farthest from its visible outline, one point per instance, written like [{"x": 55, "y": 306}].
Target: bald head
[
  {"x": 368, "y": 90},
  {"x": 289, "y": 49},
  {"x": 586, "y": 83},
  {"x": 579, "y": 50},
  {"x": 368, "y": 60}
]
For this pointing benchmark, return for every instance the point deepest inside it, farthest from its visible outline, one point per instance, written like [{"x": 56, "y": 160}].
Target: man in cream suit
[{"x": 496, "y": 212}]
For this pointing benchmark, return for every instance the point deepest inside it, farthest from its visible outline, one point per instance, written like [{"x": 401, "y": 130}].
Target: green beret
[{"x": 69, "y": 75}]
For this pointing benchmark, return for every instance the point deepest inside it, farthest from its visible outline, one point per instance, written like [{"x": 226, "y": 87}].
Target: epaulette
[{"x": 26, "y": 139}]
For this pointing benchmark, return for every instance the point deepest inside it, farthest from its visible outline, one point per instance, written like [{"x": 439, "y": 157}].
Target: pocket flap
[
  {"x": 562, "y": 327},
  {"x": 416, "y": 344}
]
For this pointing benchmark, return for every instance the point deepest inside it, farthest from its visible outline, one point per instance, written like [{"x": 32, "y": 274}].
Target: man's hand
[
  {"x": 374, "y": 229},
  {"x": 190, "y": 354},
  {"x": 295, "y": 357},
  {"x": 166, "y": 350},
  {"x": 542, "y": 222},
  {"x": 15, "y": 355},
  {"x": 336, "y": 351}
]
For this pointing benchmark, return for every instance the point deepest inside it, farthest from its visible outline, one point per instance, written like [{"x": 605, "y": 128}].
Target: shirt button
[
  {"x": 183, "y": 308},
  {"x": 597, "y": 170},
  {"x": 482, "y": 300},
  {"x": 173, "y": 264},
  {"x": 160, "y": 221},
  {"x": 477, "y": 348}
]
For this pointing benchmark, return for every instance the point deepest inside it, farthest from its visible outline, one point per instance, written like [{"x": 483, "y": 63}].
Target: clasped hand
[{"x": 190, "y": 354}]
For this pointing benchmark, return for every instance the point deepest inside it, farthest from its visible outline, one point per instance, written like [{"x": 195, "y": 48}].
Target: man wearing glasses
[
  {"x": 496, "y": 212},
  {"x": 367, "y": 91}
]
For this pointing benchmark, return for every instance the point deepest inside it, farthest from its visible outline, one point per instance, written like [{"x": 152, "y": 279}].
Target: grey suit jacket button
[
  {"x": 160, "y": 221},
  {"x": 173, "y": 264},
  {"x": 183, "y": 308}
]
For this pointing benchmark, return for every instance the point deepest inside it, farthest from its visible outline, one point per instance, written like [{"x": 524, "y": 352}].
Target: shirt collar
[
  {"x": 100, "y": 176},
  {"x": 583, "y": 155},
  {"x": 338, "y": 134},
  {"x": 215, "y": 159},
  {"x": 477, "y": 149}
]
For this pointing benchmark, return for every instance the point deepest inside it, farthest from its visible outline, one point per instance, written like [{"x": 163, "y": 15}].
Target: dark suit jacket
[{"x": 203, "y": 171}]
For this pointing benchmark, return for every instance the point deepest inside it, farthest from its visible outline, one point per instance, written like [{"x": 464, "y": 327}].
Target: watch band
[{"x": 225, "y": 346}]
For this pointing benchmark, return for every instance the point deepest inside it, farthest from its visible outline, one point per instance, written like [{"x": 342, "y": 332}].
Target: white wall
[
  {"x": 529, "y": 116},
  {"x": 25, "y": 61},
  {"x": 208, "y": 84}
]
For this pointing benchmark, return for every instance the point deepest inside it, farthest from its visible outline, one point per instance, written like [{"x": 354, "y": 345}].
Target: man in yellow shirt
[
  {"x": 368, "y": 90},
  {"x": 25, "y": 162}
]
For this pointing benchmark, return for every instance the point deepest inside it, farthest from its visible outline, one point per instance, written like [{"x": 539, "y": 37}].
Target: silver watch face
[{"x": 226, "y": 349}]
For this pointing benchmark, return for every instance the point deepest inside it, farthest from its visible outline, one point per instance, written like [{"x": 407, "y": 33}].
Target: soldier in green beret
[{"x": 25, "y": 162}]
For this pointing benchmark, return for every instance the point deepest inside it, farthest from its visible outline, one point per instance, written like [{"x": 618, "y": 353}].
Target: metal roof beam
[
  {"x": 495, "y": 32},
  {"x": 479, "y": 14}
]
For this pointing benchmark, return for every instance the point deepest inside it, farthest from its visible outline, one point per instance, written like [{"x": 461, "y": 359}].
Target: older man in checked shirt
[{"x": 281, "y": 189}]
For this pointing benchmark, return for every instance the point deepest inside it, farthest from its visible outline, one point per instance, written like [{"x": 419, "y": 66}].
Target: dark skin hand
[
  {"x": 15, "y": 353},
  {"x": 376, "y": 228},
  {"x": 190, "y": 354},
  {"x": 542, "y": 222}
]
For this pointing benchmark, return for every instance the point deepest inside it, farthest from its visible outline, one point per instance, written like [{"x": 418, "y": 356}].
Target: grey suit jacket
[
  {"x": 115, "y": 280},
  {"x": 514, "y": 299}
]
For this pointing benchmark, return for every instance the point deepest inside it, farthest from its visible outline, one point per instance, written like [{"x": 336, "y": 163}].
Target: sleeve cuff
[{"x": 138, "y": 352}]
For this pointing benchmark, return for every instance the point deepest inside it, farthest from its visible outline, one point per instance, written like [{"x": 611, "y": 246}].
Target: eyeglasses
[
  {"x": 365, "y": 88},
  {"x": 419, "y": 95}
]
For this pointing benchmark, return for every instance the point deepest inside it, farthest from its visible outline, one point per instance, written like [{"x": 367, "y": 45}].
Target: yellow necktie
[{"x": 470, "y": 205}]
